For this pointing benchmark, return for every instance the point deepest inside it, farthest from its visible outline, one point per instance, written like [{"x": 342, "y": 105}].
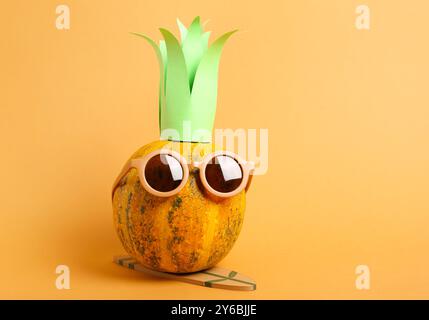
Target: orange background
[{"x": 348, "y": 119}]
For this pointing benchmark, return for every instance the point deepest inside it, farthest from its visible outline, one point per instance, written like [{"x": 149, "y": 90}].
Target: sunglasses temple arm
[
  {"x": 128, "y": 166},
  {"x": 249, "y": 180}
]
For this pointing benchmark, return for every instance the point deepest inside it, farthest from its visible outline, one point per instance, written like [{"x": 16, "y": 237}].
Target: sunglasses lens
[
  {"x": 163, "y": 173},
  {"x": 224, "y": 174}
]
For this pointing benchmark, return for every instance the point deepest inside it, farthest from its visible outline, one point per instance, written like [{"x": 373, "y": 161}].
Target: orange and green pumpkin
[
  {"x": 191, "y": 230},
  {"x": 187, "y": 232}
]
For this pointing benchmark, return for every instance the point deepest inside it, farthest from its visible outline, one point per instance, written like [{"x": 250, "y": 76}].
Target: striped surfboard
[{"x": 213, "y": 278}]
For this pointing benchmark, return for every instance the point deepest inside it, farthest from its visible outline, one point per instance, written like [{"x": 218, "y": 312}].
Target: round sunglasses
[{"x": 164, "y": 173}]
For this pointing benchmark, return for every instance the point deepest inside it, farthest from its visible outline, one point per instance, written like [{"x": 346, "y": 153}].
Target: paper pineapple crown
[{"x": 188, "y": 82}]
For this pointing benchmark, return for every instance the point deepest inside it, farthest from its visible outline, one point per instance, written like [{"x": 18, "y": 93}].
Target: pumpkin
[
  {"x": 187, "y": 232},
  {"x": 191, "y": 230}
]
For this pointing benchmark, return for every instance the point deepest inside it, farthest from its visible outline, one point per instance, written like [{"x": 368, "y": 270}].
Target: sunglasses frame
[{"x": 139, "y": 164}]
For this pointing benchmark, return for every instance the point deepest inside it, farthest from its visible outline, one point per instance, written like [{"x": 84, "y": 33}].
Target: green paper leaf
[
  {"x": 163, "y": 50},
  {"x": 188, "y": 82},
  {"x": 161, "y": 63},
  {"x": 194, "y": 46},
  {"x": 183, "y": 30},
  {"x": 204, "y": 91},
  {"x": 205, "y": 40},
  {"x": 177, "y": 85}
]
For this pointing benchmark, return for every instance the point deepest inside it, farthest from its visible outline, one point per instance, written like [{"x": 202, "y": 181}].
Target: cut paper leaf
[
  {"x": 194, "y": 47},
  {"x": 204, "y": 91},
  {"x": 188, "y": 82},
  {"x": 183, "y": 30},
  {"x": 163, "y": 49},
  {"x": 162, "y": 63},
  {"x": 177, "y": 86}
]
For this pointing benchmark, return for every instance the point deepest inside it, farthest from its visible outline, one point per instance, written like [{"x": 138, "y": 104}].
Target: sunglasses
[{"x": 164, "y": 173}]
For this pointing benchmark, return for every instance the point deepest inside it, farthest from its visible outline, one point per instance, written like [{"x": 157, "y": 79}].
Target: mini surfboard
[{"x": 212, "y": 278}]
